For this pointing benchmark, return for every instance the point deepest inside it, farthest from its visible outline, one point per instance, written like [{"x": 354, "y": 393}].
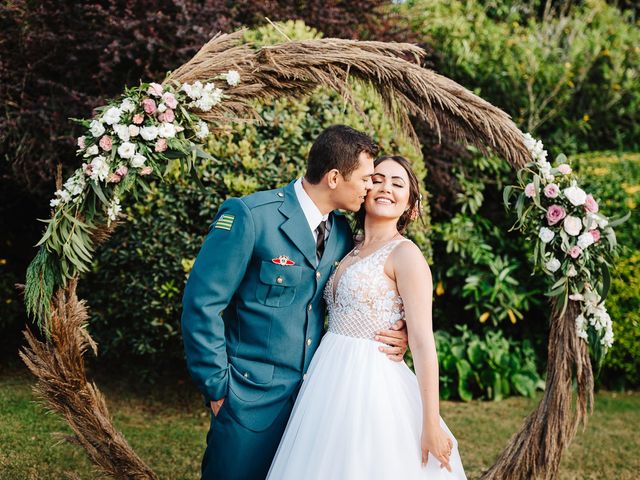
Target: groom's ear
[{"x": 332, "y": 178}]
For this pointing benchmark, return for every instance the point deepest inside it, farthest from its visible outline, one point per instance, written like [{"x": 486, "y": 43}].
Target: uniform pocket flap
[
  {"x": 252, "y": 371},
  {"x": 283, "y": 276}
]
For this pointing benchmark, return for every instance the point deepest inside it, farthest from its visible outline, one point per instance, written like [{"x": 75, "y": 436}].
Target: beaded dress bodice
[{"x": 363, "y": 300}]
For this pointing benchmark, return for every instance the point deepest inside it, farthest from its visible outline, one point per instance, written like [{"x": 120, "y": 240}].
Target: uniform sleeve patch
[{"x": 225, "y": 222}]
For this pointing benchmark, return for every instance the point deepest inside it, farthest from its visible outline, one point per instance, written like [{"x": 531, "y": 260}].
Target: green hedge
[
  {"x": 616, "y": 179},
  {"x": 139, "y": 275}
]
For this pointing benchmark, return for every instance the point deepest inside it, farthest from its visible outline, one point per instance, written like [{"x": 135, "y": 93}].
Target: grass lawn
[{"x": 167, "y": 425}]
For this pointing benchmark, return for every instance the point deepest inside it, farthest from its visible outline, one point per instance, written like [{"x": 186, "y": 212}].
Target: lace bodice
[{"x": 363, "y": 300}]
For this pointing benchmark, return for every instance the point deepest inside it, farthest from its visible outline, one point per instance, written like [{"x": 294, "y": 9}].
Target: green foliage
[
  {"x": 490, "y": 367},
  {"x": 616, "y": 178},
  {"x": 622, "y": 365},
  {"x": 566, "y": 75},
  {"x": 138, "y": 277},
  {"x": 481, "y": 266}
]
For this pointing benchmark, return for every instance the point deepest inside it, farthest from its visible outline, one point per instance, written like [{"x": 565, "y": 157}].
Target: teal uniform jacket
[{"x": 252, "y": 321}]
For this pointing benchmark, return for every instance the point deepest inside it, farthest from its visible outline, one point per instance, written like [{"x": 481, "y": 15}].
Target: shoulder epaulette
[{"x": 263, "y": 198}]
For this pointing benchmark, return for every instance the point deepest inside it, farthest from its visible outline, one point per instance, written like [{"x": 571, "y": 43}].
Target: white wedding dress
[{"x": 358, "y": 414}]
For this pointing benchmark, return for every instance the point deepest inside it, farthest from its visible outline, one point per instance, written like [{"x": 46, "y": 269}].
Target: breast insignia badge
[{"x": 283, "y": 260}]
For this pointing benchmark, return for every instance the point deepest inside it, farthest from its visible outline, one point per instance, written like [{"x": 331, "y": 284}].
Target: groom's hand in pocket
[
  {"x": 396, "y": 339},
  {"x": 216, "y": 405}
]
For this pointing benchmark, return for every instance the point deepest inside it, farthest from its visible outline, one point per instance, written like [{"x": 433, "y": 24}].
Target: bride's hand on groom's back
[
  {"x": 216, "y": 405},
  {"x": 396, "y": 339}
]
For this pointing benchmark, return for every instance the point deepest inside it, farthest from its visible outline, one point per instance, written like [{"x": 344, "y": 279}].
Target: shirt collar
[{"x": 311, "y": 212}]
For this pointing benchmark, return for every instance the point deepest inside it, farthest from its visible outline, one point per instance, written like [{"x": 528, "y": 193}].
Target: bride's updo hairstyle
[{"x": 414, "y": 208}]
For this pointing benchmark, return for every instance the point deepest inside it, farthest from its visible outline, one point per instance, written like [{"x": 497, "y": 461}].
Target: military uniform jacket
[{"x": 252, "y": 319}]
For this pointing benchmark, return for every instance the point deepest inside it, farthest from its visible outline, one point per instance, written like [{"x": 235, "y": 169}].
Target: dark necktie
[{"x": 320, "y": 238}]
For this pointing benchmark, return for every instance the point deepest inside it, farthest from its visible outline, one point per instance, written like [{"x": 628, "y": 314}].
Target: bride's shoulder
[{"x": 408, "y": 255}]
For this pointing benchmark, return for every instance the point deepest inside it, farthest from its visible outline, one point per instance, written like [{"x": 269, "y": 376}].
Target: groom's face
[{"x": 350, "y": 193}]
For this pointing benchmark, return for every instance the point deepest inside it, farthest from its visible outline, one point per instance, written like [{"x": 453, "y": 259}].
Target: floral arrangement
[
  {"x": 132, "y": 137},
  {"x": 574, "y": 241}
]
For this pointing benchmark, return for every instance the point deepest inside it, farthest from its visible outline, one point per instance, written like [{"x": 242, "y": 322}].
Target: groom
[{"x": 253, "y": 312}]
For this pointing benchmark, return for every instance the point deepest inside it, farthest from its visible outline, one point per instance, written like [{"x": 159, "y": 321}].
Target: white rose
[
  {"x": 576, "y": 297},
  {"x": 96, "y": 128},
  {"x": 99, "y": 168},
  {"x": 134, "y": 130},
  {"x": 572, "y": 225},
  {"x": 585, "y": 240},
  {"x": 127, "y": 105},
  {"x": 122, "y": 131},
  {"x": 552, "y": 265},
  {"x": 149, "y": 133},
  {"x": 127, "y": 150},
  {"x": 162, "y": 108},
  {"x": 112, "y": 116},
  {"x": 167, "y": 130},
  {"x": 233, "y": 78},
  {"x": 92, "y": 150},
  {"x": 202, "y": 130},
  {"x": 138, "y": 160},
  {"x": 575, "y": 195},
  {"x": 546, "y": 234},
  {"x": 54, "y": 202},
  {"x": 571, "y": 271}
]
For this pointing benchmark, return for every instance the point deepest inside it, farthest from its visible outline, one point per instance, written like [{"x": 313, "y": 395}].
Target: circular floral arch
[{"x": 218, "y": 86}]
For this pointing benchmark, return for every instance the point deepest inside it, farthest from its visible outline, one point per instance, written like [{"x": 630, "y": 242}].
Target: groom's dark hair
[{"x": 337, "y": 147}]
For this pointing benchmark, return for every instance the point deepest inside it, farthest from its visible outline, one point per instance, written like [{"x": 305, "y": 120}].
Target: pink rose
[
  {"x": 161, "y": 145},
  {"x": 590, "y": 204},
  {"x": 564, "y": 169},
  {"x": 88, "y": 169},
  {"x": 106, "y": 143},
  {"x": 148, "y": 105},
  {"x": 552, "y": 190},
  {"x": 166, "y": 116},
  {"x": 575, "y": 251},
  {"x": 114, "y": 178},
  {"x": 122, "y": 170},
  {"x": 530, "y": 190},
  {"x": 81, "y": 142},
  {"x": 138, "y": 118},
  {"x": 146, "y": 170},
  {"x": 169, "y": 100},
  {"x": 555, "y": 213},
  {"x": 595, "y": 233},
  {"x": 155, "y": 89}
]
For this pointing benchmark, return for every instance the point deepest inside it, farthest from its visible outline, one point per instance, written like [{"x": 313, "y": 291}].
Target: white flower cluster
[
  {"x": 539, "y": 155},
  {"x": 114, "y": 209},
  {"x": 71, "y": 191},
  {"x": 204, "y": 97},
  {"x": 594, "y": 314}
]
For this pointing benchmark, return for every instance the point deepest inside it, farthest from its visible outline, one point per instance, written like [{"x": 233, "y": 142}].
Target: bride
[{"x": 359, "y": 416}]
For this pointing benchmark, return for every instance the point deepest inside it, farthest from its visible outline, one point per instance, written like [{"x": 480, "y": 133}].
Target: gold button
[
  {"x": 280, "y": 194},
  {"x": 309, "y": 341},
  {"x": 318, "y": 275},
  {"x": 279, "y": 280},
  {"x": 246, "y": 374},
  {"x": 309, "y": 307}
]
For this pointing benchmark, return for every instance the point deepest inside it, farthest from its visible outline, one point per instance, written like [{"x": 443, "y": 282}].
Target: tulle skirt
[{"x": 358, "y": 416}]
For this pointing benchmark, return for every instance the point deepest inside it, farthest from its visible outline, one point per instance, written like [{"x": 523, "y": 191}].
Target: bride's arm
[{"x": 415, "y": 286}]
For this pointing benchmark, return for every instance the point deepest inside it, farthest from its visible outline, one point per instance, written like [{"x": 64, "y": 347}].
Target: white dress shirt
[{"x": 311, "y": 212}]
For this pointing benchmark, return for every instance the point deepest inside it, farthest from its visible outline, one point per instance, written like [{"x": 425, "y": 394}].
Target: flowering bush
[
  {"x": 574, "y": 242},
  {"x": 134, "y": 136}
]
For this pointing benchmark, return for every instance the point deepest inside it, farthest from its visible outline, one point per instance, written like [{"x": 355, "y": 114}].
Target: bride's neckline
[{"x": 338, "y": 274}]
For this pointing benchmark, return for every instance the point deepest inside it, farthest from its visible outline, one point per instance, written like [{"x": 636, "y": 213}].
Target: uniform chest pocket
[{"x": 278, "y": 283}]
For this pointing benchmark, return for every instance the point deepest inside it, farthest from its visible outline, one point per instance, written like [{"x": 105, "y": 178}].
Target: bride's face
[{"x": 389, "y": 196}]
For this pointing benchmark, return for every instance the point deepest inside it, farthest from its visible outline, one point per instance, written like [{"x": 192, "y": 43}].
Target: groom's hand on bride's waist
[
  {"x": 216, "y": 405},
  {"x": 396, "y": 340}
]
